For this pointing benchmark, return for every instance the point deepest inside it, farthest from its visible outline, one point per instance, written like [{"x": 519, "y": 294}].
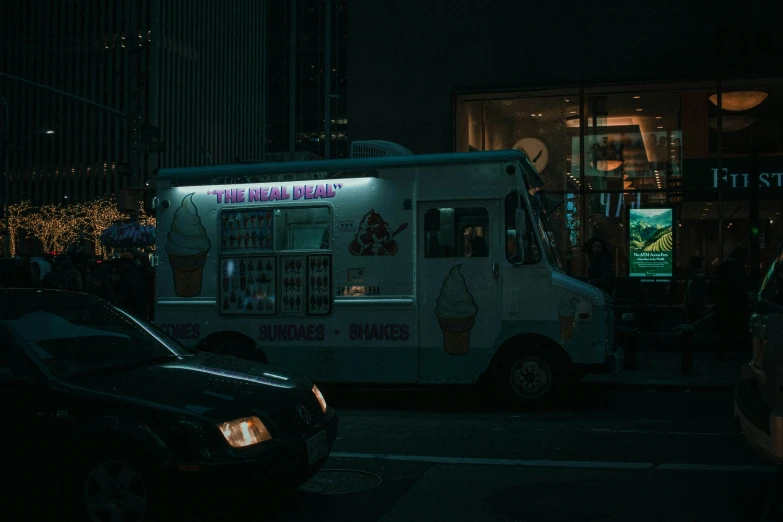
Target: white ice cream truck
[{"x": 386, "y": 268}]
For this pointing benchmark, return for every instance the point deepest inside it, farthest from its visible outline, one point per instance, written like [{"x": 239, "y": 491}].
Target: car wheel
[
  {"x": 117, "y": 489},
  {"x": 532, "y": 377}
]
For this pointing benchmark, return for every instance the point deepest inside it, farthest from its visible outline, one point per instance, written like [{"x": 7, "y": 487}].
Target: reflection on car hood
[{"x": 215, "y": 387}]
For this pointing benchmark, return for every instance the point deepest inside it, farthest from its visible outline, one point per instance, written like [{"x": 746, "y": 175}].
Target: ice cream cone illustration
[
  {"x": 456, "y": 311},
  {"x": 566, "y": 311},
  {"x": 187, "y": 247}
]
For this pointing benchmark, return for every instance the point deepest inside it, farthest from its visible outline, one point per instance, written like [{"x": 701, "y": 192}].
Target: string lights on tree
[
  {"x": 60, "y": 226},
  {"x": 96, "y": 216},
  {"x": 18, "y": 216},
  {"x": 57, "y": 226}
]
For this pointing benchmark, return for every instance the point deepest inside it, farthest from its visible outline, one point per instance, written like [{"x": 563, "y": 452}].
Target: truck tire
[{"x": 533, "y": 377}]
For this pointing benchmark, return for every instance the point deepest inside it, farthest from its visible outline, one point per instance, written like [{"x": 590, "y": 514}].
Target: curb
[{"x": 659, "y": 384}]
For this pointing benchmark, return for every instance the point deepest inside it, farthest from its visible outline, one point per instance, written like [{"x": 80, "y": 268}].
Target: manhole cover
[{"x": 340, "y": 481}]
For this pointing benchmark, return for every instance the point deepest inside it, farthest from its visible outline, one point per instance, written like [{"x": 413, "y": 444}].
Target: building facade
[
  {"x": 142, "y": 84},
  {"x": 674, "y": 107},
  {"x": 308, "y": 78}
]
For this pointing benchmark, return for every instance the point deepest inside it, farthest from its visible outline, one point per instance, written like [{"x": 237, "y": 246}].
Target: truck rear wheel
[{"x": 530, "y": 377}]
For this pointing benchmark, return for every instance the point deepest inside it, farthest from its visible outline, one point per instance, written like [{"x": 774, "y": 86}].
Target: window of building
[
  {"x": 276, "y": 261},
  {"x": 456, "y": 232}
]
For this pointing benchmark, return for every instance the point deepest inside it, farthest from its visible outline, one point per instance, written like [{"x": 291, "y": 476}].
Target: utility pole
[
  {"x": 328, "y": 79},
  {"x": 6, "y": 174},
  {"x": 292, "y": 82}
]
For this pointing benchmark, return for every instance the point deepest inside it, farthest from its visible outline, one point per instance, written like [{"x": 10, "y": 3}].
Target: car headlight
[
  {"x": 245, "y": 432},
  {"x": 320, "y": 397}
]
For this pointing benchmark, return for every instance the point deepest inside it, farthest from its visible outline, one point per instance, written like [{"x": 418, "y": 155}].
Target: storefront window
[{"x": 646, "y": 146}]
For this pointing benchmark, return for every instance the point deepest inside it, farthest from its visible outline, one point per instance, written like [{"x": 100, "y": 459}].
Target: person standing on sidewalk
[
  {"x": 601, "y": 268},
  {"x": 731, "y": 304},
  {"x": 695, "y": 291}
]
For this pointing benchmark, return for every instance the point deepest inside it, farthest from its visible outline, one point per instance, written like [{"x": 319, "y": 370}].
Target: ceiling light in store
[
  {"x": 573, "y": 121},
  {"x": 739, "y": 100},
  {"x": 567, "y": 100},
  {"x": 636, "y": 97},
  {"x": 639, "y": 110},
  {"x": 539, "y": 114},
  {"x": 660, "y": 127},
  {"x": 733, "y": 123},
  {"x": 658, "y": 117},
  {"x": 572, "y": 112}
]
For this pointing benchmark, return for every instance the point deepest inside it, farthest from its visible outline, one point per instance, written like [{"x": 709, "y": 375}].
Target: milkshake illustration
[
  {"x": 566, "y": 311},
  {"x": 456, "y": 311},
  {"x": 187, "y": 247}
]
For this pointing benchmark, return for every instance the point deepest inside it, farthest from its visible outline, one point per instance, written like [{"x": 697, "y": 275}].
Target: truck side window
[
  {"x": 521, "y": 245},
  {"x": 302, "y": 228},
  {"x": 456, "y": 232},
  {"x": 276, "y": 261}
]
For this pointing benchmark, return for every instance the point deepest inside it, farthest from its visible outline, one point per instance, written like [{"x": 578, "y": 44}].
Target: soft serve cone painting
[
  {"x": 456, "y": 311},
  {"x": 187, "y": 247}
]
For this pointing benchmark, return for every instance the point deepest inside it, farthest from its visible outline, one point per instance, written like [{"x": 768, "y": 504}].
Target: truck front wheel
[{"x": 535, "y": 376}]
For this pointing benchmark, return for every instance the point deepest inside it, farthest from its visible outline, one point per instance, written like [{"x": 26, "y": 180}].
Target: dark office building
[
  {"x": 303, "y": 36},
  {"x": 159, "y": 84}
]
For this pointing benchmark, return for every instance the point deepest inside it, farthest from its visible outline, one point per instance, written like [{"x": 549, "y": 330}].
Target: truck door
[{"x": 458, "y": 288}]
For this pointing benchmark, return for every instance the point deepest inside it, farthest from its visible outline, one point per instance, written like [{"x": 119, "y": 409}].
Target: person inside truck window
[{"x": 479, "y": 247}]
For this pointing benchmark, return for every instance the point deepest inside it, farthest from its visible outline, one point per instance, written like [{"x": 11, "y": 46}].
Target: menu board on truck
[{"x": 650, "y": 242}]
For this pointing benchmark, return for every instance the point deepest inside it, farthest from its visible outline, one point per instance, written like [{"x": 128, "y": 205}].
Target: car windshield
[
  {"x": 89, "y": 337},
  {"x": 772, "y": 286}
]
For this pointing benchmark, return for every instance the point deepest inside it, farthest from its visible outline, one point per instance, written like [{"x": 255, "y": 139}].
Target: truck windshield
[{"x": 772, "y": 286}]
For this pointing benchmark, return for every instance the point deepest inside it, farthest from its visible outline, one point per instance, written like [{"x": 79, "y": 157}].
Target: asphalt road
[{"x": 609, "y": 455}]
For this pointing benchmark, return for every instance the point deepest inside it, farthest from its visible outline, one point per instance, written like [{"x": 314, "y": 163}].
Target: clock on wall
[{"x": 536, "y": 151}]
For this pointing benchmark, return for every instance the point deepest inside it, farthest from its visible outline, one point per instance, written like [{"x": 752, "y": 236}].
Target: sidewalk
[{"x": 662, "y": 370}]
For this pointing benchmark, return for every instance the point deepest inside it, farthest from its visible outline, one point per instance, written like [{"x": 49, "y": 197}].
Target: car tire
[
  {"x": 117, "y": 486},
  {"x": 533, "y": 377}
]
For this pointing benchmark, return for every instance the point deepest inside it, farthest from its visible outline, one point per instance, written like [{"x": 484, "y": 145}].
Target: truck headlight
[
  {"x": 245, "y": 432},
  {"x": 320, "y": 397}
]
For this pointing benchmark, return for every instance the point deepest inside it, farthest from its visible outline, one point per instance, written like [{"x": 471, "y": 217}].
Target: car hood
[{"x": 213, "y": 387}]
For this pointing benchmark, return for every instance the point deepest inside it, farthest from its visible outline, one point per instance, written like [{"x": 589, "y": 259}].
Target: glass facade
[{"x": 604, "y": 151}]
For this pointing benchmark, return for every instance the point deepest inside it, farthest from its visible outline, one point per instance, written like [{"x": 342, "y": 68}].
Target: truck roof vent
[{"x": 377, "y": 149}]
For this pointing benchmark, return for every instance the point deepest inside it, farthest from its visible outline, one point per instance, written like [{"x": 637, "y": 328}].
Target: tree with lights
[
  {"x": 96, "y": 216},
  {"x": 57, "y": 226},
  {"x": 19, "y": 215}
]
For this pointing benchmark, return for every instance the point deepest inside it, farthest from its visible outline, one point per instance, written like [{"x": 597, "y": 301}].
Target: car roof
[{"x": 21, "y": 298}]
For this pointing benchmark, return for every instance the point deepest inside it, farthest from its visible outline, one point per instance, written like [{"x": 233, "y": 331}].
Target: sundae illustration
[
  {"x": 374, "y": 237},
  {"x": 187, "y": 247},
  {"x": 566, "y": 311},
  {"x": 456, "y": 311}
]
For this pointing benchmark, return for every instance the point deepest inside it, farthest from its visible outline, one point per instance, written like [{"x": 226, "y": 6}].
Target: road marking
[
  {"x": 713, "y": 467},
  {"x": 659, "y": 432},
  {"x": 472, "y": 461},
  {"x": 575, "y": 464}
]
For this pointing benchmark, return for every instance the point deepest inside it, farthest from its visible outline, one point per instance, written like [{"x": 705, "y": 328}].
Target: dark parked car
[
  {"x": 126, "y": 415},
  {"x": 758, "y": 398}
]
